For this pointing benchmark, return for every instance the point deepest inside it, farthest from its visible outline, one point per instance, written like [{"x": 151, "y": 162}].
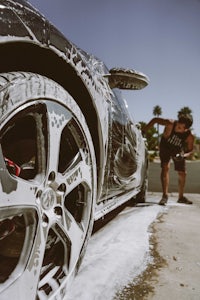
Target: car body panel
[
  {"x": 119, "y": 137},
  {"x": 29, "y": 27}
]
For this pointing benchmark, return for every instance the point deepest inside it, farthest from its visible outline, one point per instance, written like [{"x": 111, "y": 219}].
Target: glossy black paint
[{"x": 28, "y": 42}]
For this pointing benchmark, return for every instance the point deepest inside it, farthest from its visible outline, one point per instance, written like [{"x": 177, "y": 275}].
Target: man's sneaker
[
  {"x": 184, "y": 200},
  {"x": 164, "y": 199}
]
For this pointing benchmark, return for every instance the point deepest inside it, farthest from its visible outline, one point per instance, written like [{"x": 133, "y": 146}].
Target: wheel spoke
[
  {"x": 75, "y": 234},
  {"x": 23, "y": 194},
  {"x": 57, "y": 119},
  {"x": 38, "y": 262},
  {"x": 78, "y": 172}
]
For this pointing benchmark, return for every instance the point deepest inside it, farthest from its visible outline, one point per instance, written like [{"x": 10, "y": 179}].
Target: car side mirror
[{"x": 127, "y": 79}]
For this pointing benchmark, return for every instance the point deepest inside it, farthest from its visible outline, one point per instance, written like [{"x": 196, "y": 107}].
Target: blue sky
[{"x": 160, "y": 38}]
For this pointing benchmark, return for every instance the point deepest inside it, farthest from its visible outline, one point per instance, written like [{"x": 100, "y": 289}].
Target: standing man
[{"x": 177, "y": 143}]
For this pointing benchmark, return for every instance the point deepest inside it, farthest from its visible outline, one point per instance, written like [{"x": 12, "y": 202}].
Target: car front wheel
[{"x": 48, "y": 187}]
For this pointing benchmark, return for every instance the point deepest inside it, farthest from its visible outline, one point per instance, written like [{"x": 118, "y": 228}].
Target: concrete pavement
[
  {"x": 174, "y": 272},
  {"x": 177, "y": 241}
]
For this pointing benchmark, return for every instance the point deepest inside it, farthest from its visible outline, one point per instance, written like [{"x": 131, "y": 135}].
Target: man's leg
[
  {"x": 180, "y": 167},
  {"x": 181, "y": 186},
  {"x": 181, "y": 183},
  {"x": 164, "y": 176}
]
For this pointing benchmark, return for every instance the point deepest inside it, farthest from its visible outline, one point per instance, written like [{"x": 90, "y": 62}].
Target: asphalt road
[{"x": 192, "y": 180}]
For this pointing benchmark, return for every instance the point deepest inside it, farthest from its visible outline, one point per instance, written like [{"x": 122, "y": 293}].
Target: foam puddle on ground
[{"x": 116, "y": 254}]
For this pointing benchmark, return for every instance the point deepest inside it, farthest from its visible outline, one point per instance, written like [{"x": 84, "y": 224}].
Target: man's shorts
[{"x": 179, "y": 165}]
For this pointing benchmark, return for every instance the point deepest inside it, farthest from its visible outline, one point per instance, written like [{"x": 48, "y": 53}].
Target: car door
[{"x": 122, "y": 160}]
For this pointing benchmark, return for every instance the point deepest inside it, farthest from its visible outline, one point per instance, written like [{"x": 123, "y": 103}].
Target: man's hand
[{"x": 178, "y": 157}]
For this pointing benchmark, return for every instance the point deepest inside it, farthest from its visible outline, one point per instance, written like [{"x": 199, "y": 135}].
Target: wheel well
[{"x": 32, "y": 58}]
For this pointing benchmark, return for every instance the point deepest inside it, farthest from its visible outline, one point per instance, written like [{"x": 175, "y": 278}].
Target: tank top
[{"x": 175, "y": 143}]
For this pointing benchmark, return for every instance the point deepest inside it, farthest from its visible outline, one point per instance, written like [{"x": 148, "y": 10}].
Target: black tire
[
  {"x": 48, "y": 187},
  {"x": 141, "y": 196}
]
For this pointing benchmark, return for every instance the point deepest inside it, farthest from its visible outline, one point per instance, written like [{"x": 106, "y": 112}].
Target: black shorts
[{"x": 165, "y": 156}]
